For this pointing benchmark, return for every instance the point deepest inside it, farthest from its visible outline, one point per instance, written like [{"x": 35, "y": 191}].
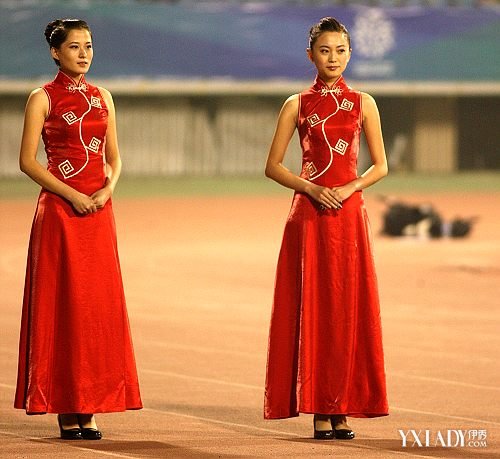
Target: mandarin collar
[{"x": 68, "y": 82}]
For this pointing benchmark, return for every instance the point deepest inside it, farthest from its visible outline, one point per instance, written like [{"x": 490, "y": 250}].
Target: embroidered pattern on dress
[
  {"x": 341, "y": 146},
  {"x": 70, "y": 117},
  {"x": 66, "y": 168},
  {"x": 346, "y": 105},
  {"x": 94, "y": 144},
  {"x": 309, "y": 169},
  {"x": 313, "y": 119},
  {"x": 95, "y": 102}
]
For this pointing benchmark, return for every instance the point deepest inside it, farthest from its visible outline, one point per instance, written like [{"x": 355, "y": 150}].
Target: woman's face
[
  {"x": 75, "y": 54},
  {"x": 330, "y": 54}
]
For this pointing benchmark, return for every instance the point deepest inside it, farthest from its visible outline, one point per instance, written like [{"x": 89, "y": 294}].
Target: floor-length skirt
[
  {"x": 325, "y": 351},
  {"x": 75, "y": 351}
]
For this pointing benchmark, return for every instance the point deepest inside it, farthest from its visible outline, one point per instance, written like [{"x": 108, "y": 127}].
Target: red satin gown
[
  {"x": 325, "y": 345},
  {"x": 75, "y": 351}
]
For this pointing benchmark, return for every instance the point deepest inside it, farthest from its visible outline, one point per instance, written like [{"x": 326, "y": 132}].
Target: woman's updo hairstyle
[
  {"x": 327, "y": 24},
  {"x": 57, "y": 31}
]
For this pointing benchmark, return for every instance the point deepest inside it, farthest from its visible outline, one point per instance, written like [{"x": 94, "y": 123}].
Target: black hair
[
  {"x": 327, "y": 24},
  {"x": 57, "y": 31}
]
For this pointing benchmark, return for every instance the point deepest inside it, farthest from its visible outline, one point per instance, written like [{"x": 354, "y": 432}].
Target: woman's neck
[{"x": 77, "y": 78}]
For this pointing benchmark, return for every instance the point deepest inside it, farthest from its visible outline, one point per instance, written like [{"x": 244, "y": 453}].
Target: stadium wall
[{"x": 206, "y": 134}]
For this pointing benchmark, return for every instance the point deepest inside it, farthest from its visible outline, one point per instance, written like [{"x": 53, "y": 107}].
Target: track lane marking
[
  {"x": 273, "y": 431},
  {"x": 442, "y": 381},
  {"x": 201, "y": 379},
  {"x": 389, "y": 373},
  {"x": 58, "y": 442},
  {"x": 7, "y": 386},
  {"x": 261, "y": 388},
  {"x": 208, "y": 350}
]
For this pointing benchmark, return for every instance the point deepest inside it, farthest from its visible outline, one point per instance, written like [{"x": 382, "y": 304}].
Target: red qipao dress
[
  {"x": 75, "y": 352},
  {"x": 325, "y": 345}
]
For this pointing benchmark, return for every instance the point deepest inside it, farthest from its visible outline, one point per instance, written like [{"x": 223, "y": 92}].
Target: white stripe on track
[
  {"x": 203, "y": 419},
  {"x": 201, "y": 379},
  {"x": 69, "y": 444},
  {"x": 442, "y": 381},
  {"x": 352, "y": 445},
  {"x": 447, "y": 355},
  {"x": 261, "y": 388},
  {"x": 8, "y": 350},
  {"x": 212, "y": 350},
  {"x": 202, "y": 349},
  {"x": 390, "y": 373},
  {"x": 226, "y": 423},
  {"x": 448, "y": 416},
  {"x": 7, "y": 386}
]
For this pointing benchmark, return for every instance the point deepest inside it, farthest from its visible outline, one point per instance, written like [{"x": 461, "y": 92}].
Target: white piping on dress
[
  {"x": 323, "y": 122},
  {"x": 80, "y": 122}
]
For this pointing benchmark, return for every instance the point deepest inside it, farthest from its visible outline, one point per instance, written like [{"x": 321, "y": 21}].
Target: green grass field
[{"x": 22, "y": 187}]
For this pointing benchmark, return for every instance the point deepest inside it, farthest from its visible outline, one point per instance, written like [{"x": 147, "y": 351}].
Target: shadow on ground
[{"x": 143, "y": 449}]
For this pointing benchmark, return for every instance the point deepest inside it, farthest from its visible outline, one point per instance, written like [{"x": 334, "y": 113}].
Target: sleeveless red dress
[
  {"x": 325, "y": 345},
  {"x": 75, "y": 351}
]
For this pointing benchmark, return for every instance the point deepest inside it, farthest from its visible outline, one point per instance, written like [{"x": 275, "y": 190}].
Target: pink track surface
[{"x": 199, "y": 276}]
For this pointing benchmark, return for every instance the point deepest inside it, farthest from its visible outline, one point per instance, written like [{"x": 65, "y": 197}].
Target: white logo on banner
[{"x": 374, "y": 35}]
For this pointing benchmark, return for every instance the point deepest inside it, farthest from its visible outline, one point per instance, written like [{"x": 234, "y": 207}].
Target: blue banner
[{"x": 256, "y": 41}]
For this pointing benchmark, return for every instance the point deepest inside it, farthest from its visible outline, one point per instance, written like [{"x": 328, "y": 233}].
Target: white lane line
[
  {"x": 57, "y": 442},
  {"x": 250, "y": 386},
  {"x": 198, "y": 378},
  {"x": 448, "y": 416},
  {"x": 226, "y": 423},
  {"x": 202, "y": 349},
  {"x": 443, "y": 313},
  {"x": 447, "y": 355},
  {"x": 272, "y": 431},
  {"x": 256, "y": 355},
  {"x": 203, "y": 419},
  {"x": 7, "y": 386},
  {"x": 442, "y": 381},
  {"x": 233, "y": 327},
  {"x": 8, "y": 350},
  {"x": 261, "y": 388}
]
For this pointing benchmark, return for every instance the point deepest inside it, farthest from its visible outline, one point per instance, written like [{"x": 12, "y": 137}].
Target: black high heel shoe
[
  {"x": 322, "y": 434},
  {"x": 69, "y": 434},
  {"x": 342, "y": 434},
  {"x": 89, "y": 433}
]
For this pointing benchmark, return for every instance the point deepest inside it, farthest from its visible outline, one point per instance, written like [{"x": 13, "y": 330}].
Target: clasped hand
[
  {"x": 331, "y": 198},
  {"x": 84, "y": 204}
]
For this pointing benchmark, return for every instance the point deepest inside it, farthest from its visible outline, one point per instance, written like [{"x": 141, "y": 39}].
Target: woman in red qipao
[
  {"x": 75, "y": 353},
  {"x": 325, "y": 346}
]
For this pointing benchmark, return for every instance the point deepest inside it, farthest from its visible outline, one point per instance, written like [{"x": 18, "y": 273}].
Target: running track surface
[{"x": 199, "y": 276}]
